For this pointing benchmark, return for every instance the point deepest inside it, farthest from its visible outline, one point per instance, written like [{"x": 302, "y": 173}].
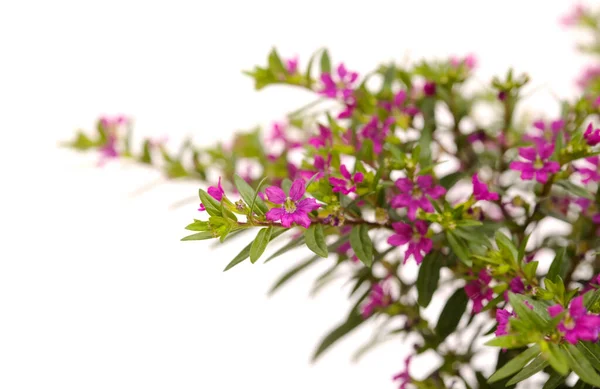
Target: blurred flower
[
  {"x": 577, "y": 324},
  {"x": 413, "y": 195},
  {"x": 536, "y": 163},
  {"x": 418, "y": 243}
]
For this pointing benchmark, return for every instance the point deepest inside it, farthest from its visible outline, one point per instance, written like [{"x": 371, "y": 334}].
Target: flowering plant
[{"x": 400, "y": 173}]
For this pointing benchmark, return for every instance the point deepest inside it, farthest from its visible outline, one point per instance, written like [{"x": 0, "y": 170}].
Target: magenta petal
[
  {"x": 527, "y": 174},
  {"x": 403, "y": 229},
  {"x": 345, "y": 172},
  {"x": 307, "y": 205},
  {"x": 358, "y": 177},
  {"x": 546, "y": 150},
  {"x": 397, "y": 240},
  {"x": 421, "y": 227},
  {"x": 301, "y": 219},
  {"x": 541, "y": 176},
  {"x": 552, "y": 166},
  {"x": 275, "y": 214},
  {"x": 576, "y": 307},
  {"x": 555, "y": 310},
  {"x": 297, "y": 190},
  {"x": 529, "y": 153},
  {"x": 404, "y": 184},
  {"x": 425, "y": 182},
  {"x": 401, "y": 200},
  {"x": 275, "y": 195},
  {"x": 287, "y": 219}
]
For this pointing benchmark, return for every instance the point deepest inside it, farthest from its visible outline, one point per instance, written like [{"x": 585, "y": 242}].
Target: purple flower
[
  {"x": 109, "y": 149},
  {"x": 378, "y": 298},
  {"x": 502, "y": 316},
  {"x": 418, "y": 243},
  {"x": 536, "y": 163},
  {"x": 216, "y": 192},
  {"x": 341, "y": 184},
  {"x": 413, "y": 195},
  {"x": 291, "y": 65},
  {"x": 589, "y": 174},
  {"x": 481, "y": 191},
  {"x": 112, "y": 122},
  {"x": 548, "y": 132},
  {"x": 278, "y": 134},
  {"x": 340, "y": 86},
  {"x": 429, "y": 88},
  {"x": 324, "y": 139},
  {"x": 403, "y": 376},
  {"x": 201, "y": 208},
  {"x": 293, "y": 210},
  {"x": 479, "y": 290},
  {"x": 577, "y": 324},
  {"x": 321, "y": 167},
  {"x": 470, "y": 61},
  {"x": 574, "y": 16},
  {"x": 377, "y": 131},
  {"x": 350, "y": 104},
  {"x": 589, "y": 74},
  {"x": 591, "y": 135},
  {"x": 398, "y": 104}
]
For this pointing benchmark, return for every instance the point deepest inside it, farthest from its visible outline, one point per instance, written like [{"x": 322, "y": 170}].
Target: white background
[{"x": 96, "y": 291}]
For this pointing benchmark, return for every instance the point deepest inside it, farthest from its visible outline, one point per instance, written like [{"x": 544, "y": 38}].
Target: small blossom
[
  {"x": 112, "y": 122},
  {"x": 577, "y": 324},
  {"x": 413, "y": 195},
  {"x": 201, "y": 208},
  {"x": 470, "y": 61},
  {"x": 404, "y": 377},
  {"x": 324, "y": 139},
  {"x": 377, "y": 131},
  {"x": 588, "y": 173},
  {"x": 398, "y": 104},
  {"x": 340, "y": 86},
  {"x": 279, "y": 134},
  {"x": 502, "y": 317},
  {"x": 418, "y": 244},
  {"x": 293, "y": 210},
  {"x": 216, "y": 192},
  {"x": 378, "y": 298},
  {"x": 481, "y": 191},
  {"x": 479, "y": 290},
  {"x": 573, "y": 17},
  {"x": 429, "y": 88},
  {"x": 109, "y": 149},
  {"x": 591, "y": 135},
  {"x": 341, "y": 184},
  {"x": 502, "y": 95},
  {"x": 291, "y": 65},
  {"x": 548, "y": 132},
  {"x": 536, "y": 163},
  {"x": 350, "y": 106},
  {"x": 321, "y": 165}
]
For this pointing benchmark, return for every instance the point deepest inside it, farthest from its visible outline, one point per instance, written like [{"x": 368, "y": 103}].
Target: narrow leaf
[
  {"x": 292, "y": 272},
  {"x": 325, "y": 62},
  {"x": 559, "y": 266},
  {"x": 199, "y": 236},
  {"x": 429, "y": 275},
  {"x": 452, "y": 313},
  {"x": 249, "y": 195},
  {"x": 581, "y": 366},
  {"x": 361, "y": 244},
  {"x": 353, "y": 321},
  {"x": 515, "y": 364},
  {"x": 315, "y": 240},
  {"x": 245, "y": 253},
  {"x": 537, "y": 365},
  {"x": 260, "y": 243}
]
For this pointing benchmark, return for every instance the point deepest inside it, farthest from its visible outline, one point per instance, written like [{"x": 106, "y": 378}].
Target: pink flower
[
  {"x": 111, "y": 122},
  {"x": 321, "y": 168},
  {"x": 478, "y": 290},
  {"x": 418, "y": 244},
  {"x": 548, "y": 132},
  {"x": 216, "y": 192},
  {"x": 398, "y": 104},
  {"x": 577, "y": 324},
  {"x": 589, "y": 174},
  {"x": 470, "y": 61},
  {"x": 350, "y": 104},
  {"x": 588, "y": 76},
  {"x": 502, "y": 316},
  {"x": 291, "y": 65},
  {"x": 341, "y": 86},
  {"x": 481, "y": 191},
  {"x": 574, "y": 16},
  {"x": 377, "y": 131},
  {"x": 278, "y": 134},
  {"x": 324, "y": 139},
  {"x": 109, "y": 149},
  {"x": 404, "y": 377},
  {"x": 341, "y": 184},
  {"x": 378, "y": 298},
  {"x": 201, "y": 208},
  {"x": 536, "y": 163},
  {"x": 293, "y": 210},
  {"x": 591, "y": 135},
  {"x": 429, "y": 88},
  {"x": 413, "y": 195}
]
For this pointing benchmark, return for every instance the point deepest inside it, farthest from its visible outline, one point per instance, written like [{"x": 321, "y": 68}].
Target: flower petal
[
  {"x": 275, "y": 214},
  {"x": 275, "y": 195},
  {"x": 297, "y": 190}
]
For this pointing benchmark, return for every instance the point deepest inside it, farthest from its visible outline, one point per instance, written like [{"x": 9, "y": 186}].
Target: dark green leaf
[
  {"x": 353, "y": 321},
  {"x": 315, "y": 240},
  {"x": 556, "y": 357},
  {"x": 459, "y": 248},
  {"x": 429, "y": 275},
  {"x": 506, "y": 245},
  {"x": 526, "y": 314},
  {"x": 292, "y": 272},
  {"x": 575, "y": 189},
  {"x": 199, "y": 236},
  {"x": 213, "y": 207},
  {"x": 537, "y": 365},
  {"x": 245, "y": 253},
  {"x": 581, "y": 366},
  {"x": 260, "y": 243},
  {"x": 554, "y": 381},
  {"x": 452, "y": 313},
  {"x": 515, "y": 364},
  {"x": 451, "y": 179},
  {"x": 560, "y": 265},
  {"x": 507, "y": 341},
  {"x": 361, "y": 244},
  {"x": 592, "y": 353}
]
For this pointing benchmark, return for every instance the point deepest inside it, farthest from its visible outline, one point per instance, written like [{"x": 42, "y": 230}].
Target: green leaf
[
  {"x": 199, "y": 236},
  {"x": 515, "y": 364},
  {"x": 581, "y": 366},
  {"x": 506, "y": 245},
  {"x": 275, "y": 64},
  {"x": 575, "y": 189},
  {"x": 307, "y": 75},
  {"x": 315, "y": 240},
  {"x": 560, "y": 265},
  {"x": 325, "y": 62},
  {"x": 458, "y": 248},
  {"x": 592, "y": 353},
  {"x": 507, "y": 341},
  {"x": 452, "y": 313},
  {"x": 293, "y": 272},
  {"x": 429, "y": 275},
  {"x": 451, "y": 179},
  {"x": 213, "y": 207},
  {"x": 554, "y": 381},
  {"x": 353, "y": 321},
  {"x": 245, "y": 253},
  {"x": 523, "y": 247},
  {"x": 556, "y": 357},
  {"x": 292, "y": 244},
  {"x": 526, "y": 314},
  {"x": 198, "y": 225},
  {"x": 260, "y": 243},
  {"x": 591, "y": 298},
  {"x": 537, "y": 365},
  {"x": 361, "y": 244},
  {"x": 249, "y": 195}
]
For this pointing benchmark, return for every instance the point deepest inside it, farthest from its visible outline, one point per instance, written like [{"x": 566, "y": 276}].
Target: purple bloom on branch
[
  {"x": 293, "y": 209},
  {"x": 324, "y": 139},
  {"x": 591, "y": 135},
  {"x": 479, "y": 290},
  {"x": 418, "y": 243},
  {"x": 216, "y": 192},
  {"x": 413, "y": 195},
  {"x": 291, "y": 65},
  {"x": 429, "y": 88},
  {"x": 403, "y": 377},
  {"x": 536, "y": 163},
  {"x": 338, "y": 86},
  {"x": 481, "y": 191},
  {"x": 502, "y": 316},
  {"x": 577, "y": 324},
  {"x": 341, "y": 184},
  {"x": 378, "y": 298},
  {"x": 588, "y": 173}
]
